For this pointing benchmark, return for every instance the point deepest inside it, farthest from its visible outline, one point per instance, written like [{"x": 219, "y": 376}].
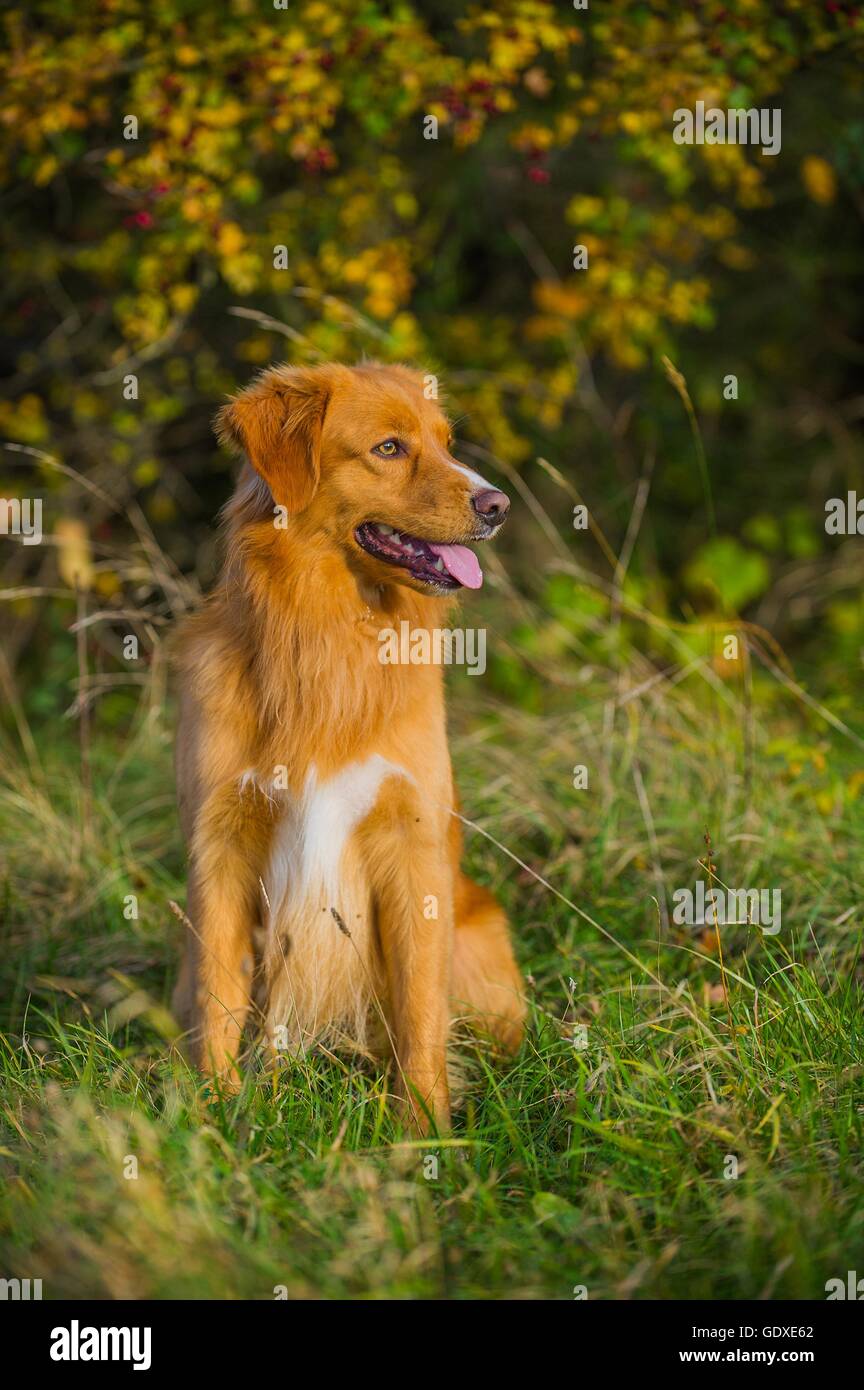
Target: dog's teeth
[
  {"x": 439, "y": 564},
  {"x": 384, "y": 530}
]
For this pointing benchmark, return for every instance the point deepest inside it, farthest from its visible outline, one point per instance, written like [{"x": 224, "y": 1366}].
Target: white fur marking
[
  {"x": 330, "y": 813},
  {"x": 309, "y": 843},
  {"x": 472, "y": 476},
  {"x": 319, "y": 982}
]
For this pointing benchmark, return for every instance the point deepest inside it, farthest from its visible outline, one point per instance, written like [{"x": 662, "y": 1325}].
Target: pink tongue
[{"x": 461, "y": 563}]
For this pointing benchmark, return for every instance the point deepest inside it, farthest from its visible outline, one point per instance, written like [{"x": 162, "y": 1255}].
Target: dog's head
[{"x": 360, "y": 455}]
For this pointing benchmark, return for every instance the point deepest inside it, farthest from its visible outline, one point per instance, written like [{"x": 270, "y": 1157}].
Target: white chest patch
[{"x": 310, "y": 839}]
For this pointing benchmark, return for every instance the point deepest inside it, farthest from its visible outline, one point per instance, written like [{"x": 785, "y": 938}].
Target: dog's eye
[{"x": 388, "y": 449}]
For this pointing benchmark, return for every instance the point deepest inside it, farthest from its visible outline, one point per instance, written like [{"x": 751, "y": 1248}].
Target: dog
[{"x": 315, "y": 787}]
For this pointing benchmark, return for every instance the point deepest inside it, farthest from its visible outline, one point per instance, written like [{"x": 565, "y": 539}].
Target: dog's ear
[{"x": 276, "y": 422}]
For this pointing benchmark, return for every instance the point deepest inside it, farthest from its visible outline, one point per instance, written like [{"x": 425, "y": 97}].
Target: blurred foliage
[{"x": 296, "y": 137}]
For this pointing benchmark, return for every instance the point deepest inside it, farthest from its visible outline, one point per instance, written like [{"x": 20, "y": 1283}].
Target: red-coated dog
[{"x": 315, "y": 785}]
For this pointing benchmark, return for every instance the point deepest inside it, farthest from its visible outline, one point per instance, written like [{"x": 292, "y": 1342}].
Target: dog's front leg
[
  {"x": 412, "y": 882},
  {"x": 228, "y": 846}
]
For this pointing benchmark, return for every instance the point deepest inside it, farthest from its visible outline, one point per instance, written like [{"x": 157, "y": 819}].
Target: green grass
[{"x": 601, "y": 1167}]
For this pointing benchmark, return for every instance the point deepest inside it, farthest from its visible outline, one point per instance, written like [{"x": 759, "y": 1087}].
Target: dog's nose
[{"x": 491, "y": 505}]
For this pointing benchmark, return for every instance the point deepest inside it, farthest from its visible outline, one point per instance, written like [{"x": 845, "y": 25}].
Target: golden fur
[{"x": 314, "y": 783}]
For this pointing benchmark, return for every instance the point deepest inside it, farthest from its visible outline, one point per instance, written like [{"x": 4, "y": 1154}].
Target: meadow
[{"x": 597, "y": 1163}]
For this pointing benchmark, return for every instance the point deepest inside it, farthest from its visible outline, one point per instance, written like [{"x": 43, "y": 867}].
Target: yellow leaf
[
  {"x": 819, "y": 179},
  {"x": 107, "y": 584},
  {"x": 146, "y": 472},
  {"x": 46, "y": 170},
  {"x": 856, "y": 782},
  {"x": 74, "y": 560},
  {"x": 231, "y": 239},
  {"x": 183, "y": 297}
]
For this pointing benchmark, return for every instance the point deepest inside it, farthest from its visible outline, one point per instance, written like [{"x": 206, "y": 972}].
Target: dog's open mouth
[{"x": 445, "y": 566}]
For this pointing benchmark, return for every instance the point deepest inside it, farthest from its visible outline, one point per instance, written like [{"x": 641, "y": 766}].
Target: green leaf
[{"x": 723, "y": 569}]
